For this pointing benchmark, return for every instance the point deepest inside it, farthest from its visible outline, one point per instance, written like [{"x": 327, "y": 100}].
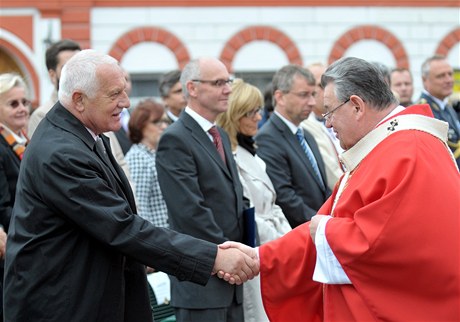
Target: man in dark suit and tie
[
  {"x": 293, "y": 160},
  {"x": 199, "y": 181},
  {"x": 76, "y": 249}
]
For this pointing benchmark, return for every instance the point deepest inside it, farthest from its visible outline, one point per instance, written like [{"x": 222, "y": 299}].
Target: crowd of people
[{"x": 354, "y": 188}]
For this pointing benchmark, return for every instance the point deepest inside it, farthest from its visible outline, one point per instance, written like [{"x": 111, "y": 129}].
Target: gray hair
[
  {"x": 283, "y": 78},
  {"x": 190, "y": 71},
  {"x": 168, "y": 81},
  {"x": 79, "y": 73},
  {"x": 426, "y": 64},
  {"x": 385, "y": 70},
  {"x": 11, "y": 80},
  {"x": 355, "y": 76}
]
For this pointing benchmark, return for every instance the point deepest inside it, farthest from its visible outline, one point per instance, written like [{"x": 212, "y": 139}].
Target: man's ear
[
  {"x": 358, "y": 105},
  {"x": 191, "y": 88},
  {"x": 77, "y": 99},
  {"x": 277, "y": 96},
  {"x": 53, "y": 76}
]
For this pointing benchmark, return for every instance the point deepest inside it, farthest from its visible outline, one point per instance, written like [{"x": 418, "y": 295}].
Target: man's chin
[{"x": 115, "y": 126}]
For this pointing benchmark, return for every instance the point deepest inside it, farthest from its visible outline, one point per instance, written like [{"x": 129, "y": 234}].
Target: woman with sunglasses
[
  {"x": 240, "y": 121},
  {"x": 14, "y": 114}
]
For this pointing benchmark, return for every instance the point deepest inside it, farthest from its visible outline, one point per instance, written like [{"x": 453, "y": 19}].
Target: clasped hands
[{"x": 236, "y": 263}]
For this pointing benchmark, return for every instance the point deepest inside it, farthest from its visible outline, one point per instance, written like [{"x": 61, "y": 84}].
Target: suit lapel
[
  {"x": 296, "y": 147},
  {"x": 202, "y": 139},
  {"x": 292, "y": 141},
  {"x": 321, "y": 168},
  {"x": 62, "y": 118},
  {"x": 119, "y": 173}
]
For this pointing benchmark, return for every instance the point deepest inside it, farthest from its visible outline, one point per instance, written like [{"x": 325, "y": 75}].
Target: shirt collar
[
  {"x": 92, "y": 134},
  {"x": 291, "y": 125},
  {"x": 204, "y": 123},
  {"x": 172, "y": 116},
  {"x": 395, "y": 111},
  {"x": 441, "y": 103}
]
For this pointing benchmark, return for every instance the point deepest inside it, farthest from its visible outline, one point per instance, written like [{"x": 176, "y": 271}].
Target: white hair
[
  {"x": 11, "y": 80},
  {"x": 79, "y": 74}
]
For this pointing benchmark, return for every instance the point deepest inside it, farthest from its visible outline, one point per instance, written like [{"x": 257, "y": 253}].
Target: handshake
[{"x": 236, "y": 263}]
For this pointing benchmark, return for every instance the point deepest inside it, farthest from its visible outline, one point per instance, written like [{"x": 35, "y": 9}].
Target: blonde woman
[{"x": 240, "y": 122}]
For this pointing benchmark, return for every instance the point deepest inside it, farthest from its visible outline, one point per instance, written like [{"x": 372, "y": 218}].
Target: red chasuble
[{"x": 395, "y": 232}]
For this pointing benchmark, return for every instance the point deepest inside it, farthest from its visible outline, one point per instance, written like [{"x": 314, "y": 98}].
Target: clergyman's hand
[{"x": 251, "y": 259}]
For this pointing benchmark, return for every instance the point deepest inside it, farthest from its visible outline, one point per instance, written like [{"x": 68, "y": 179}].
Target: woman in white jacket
[{"x": 240, "y": 121}]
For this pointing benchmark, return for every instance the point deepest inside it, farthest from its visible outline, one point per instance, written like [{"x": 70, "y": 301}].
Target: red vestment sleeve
[{"x": 286, "y": 270}]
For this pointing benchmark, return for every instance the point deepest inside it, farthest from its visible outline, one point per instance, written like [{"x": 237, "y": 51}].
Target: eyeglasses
[
  {"x": 327, "y": 115},
  {"x": 254, "y": 112},
  {"x": 215, "y": 83},
  {"x": 15, "y": 103},
  {"x": 302, "y": 95}
]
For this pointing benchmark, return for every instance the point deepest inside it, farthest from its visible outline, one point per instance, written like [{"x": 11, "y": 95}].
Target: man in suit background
[
  {"x": 56, "y": 55},
  {"x": 328, "y": 144},
  {"x": 201, "y": 187},
  {"x": 171, "y": 94},
  {"x": 438, "y": 83},
  {"x": 76, "y": 249},
  {"x": 293, "y": 160}
]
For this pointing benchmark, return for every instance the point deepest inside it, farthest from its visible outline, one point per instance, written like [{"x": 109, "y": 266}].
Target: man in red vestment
[{"x": 385, "y": 245}]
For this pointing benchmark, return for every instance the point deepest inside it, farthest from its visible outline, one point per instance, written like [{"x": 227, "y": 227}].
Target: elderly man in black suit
[
  {"x": 201, "y": 187},
  {"x": 293, "y": 160},
  {"x": 76, "y": 249}
]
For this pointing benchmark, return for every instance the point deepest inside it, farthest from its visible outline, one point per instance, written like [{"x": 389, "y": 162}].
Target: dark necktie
[
  {"x": 217, "y": 142},
  {"x": 102, "y": 152},
  {"x": 310, "y": 156}
]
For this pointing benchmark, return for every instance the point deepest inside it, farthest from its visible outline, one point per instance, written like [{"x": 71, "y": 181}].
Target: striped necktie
[{"x": 310, "y": 156}]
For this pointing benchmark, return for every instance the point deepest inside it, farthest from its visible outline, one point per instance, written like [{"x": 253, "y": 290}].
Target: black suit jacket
[
  {"x": 75, "y": 246},
  {"x": 205, "y": 200},
  {"x": 9, "y": 172},
  {"x": 299, "y": 193}
]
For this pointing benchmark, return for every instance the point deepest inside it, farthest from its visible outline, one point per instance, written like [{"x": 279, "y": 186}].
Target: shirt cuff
[{"x": 327, "y": 269}]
